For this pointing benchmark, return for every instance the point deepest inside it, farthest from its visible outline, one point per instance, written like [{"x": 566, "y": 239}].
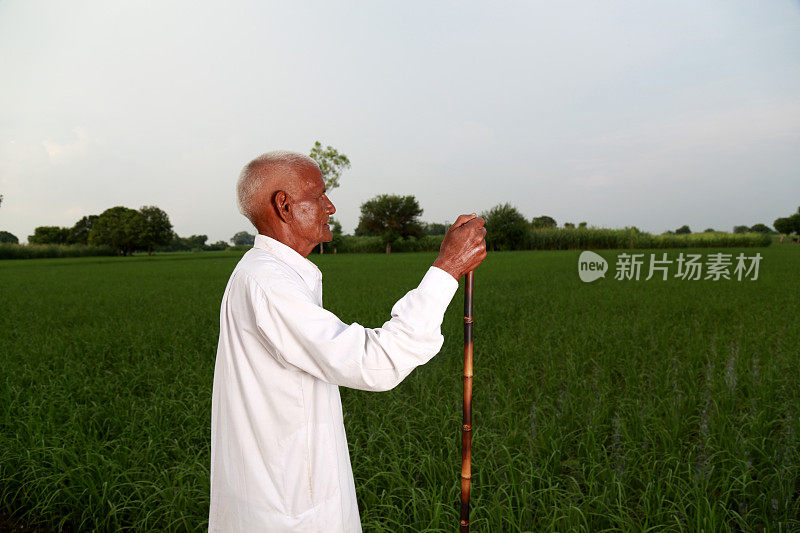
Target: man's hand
[{"x": 463, "y": 247}]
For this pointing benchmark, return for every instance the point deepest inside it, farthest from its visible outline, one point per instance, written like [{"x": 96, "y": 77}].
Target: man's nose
[{"x": 331, "y": 207}]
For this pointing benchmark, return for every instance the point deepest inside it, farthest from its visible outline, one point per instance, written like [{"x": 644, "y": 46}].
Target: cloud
[{"x": 59, "y": 152}]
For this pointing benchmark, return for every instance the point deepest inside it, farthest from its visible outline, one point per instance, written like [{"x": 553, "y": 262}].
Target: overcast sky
[{"x": 653, "y": 114}]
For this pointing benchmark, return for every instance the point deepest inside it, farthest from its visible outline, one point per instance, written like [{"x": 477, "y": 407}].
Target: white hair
[{"x": 253, "y": 175}]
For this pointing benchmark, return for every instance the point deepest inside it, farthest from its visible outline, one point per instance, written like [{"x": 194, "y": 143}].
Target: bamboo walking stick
[{"x": 466, "y": 427}]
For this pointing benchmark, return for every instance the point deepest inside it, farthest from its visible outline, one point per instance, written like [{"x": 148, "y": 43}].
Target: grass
[{"x": 615, "y": 405}]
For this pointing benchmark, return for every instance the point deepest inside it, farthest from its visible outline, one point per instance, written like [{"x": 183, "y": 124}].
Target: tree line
[
  {"x": 390, "y": 217},
  {"x": 121, "y": 228},
  {"x": 125, "y": 230}
]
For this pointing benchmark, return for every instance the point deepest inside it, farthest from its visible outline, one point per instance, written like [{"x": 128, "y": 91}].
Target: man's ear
[{"x": 282, "y": 204}]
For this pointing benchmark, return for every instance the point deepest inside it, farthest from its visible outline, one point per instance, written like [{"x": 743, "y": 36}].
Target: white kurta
[{"x": 279, "y": 457}]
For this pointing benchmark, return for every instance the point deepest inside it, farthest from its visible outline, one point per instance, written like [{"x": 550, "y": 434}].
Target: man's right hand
[{"x": 463, "y": 247}]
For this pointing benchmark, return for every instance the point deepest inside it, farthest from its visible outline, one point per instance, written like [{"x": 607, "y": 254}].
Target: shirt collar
[{"x": 305, "y": 268}]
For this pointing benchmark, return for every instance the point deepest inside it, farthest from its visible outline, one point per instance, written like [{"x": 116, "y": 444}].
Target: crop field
[{"x": 663, "y": 405}]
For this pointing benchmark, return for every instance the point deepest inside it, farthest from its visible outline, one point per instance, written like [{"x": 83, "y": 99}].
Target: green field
[{"x": 615, "y": 405}]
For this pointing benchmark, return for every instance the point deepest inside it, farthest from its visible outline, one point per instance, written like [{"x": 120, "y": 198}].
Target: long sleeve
[{"x": 299, "y": 332}]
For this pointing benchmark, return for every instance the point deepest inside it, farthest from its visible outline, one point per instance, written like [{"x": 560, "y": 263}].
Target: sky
[{"x": 646, "y": 114}]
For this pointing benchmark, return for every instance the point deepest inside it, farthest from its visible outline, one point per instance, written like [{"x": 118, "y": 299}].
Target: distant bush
[
  {"x": 49, "y": 235},
  {"x": 592, "y": 238},
  {"x": 367, "y": 245},
  {"x": 243, "y": 238},
  {"x": 506, "y": 228},
  {"x": 42, "y": 251},
  {"x": 760, "y": 228},
  {"x": 7, "y": 237},
  {"x": 543, "y": 222},
  {"x": 560, "y": 239}
]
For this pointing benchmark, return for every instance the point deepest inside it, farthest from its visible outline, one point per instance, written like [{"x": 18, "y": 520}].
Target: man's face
[{"x": 312, "y": 208}]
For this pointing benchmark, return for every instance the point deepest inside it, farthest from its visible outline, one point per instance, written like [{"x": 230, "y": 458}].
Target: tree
[
  {"x": 740, "y": 229},
  {"x": 391, "y": 217},
  {"x": 197, "y": 242},
  {"x": 243, "y": 239},
  {"x": 683, "y": 230},
  {"x": 795, "y": 221},
  {"x": 1, "y": 199},
  {"x": 118, "y": 227},
  {"x": 506, "y": 227},
  {"x": 8, "y": 238},
  {"x": 787, "y": 225},
  {"x": 49, "y": 235},
  {"x": 435, "y": 228},
  {"x": 79, "y": 233},
  {"x": 336, "y": 230},
  {"x": 335, "y": 225},
  {"x": 783, "y": 225},
  {"x": 582, "y": 225},
  {"x": 709, "y": 230},
  {"x": 760, "y": 228},
  {"x": 217, "y": 246},
  {"x": 157, "y": 230},
  {"x": 569, "y": 225},
  {"x": 331, "y": 164},
  {"x": 544, "y": 222}
]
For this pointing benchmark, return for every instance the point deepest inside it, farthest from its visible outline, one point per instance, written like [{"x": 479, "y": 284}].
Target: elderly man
[{"x": 279, "y": 458}]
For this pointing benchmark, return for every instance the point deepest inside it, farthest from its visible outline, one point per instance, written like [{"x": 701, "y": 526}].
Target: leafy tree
[
  {"x": 506, "y": 228},
  {"x": 435, "y": 228},
  {"x": 157, "y": 228},
  {"x": 197, "y": 242},
  {"x": 331, "y": 163},
  {"x": 217, "y": 246},
  {"x": 336, "y": 229},
  {"x": 569, "y": 225},
  {"x": 49, "y": 235},
  {"x": 783, "y": 225},
  {"x": 740, "y": 229},
  {"x": 683, "y": 230},
  {"x": 709, "y": 230},
  {"x": 6, "y": 237},
  {"x": 760, "y": 228},
  {"x": 176, "y": 244},
  {"x": 391, "y": 217},
  {"x": 582, "y": 224},
  {"x": 544, "y": 222},
  {"x": 79, "y": 233},
  {"x": 118, "y": 227},
  {"x": 795, "y": 220},
  {"x": 336, "y": 226},
  {"x": 243, "y": 238},
  {"x": 787, "y": 225}
]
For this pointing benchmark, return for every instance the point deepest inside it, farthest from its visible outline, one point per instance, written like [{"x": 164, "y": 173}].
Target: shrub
[
  {"x": 42, "y": 251},
  {"x": 506, "y": 228},
  {"x": 10, "y": 238}
]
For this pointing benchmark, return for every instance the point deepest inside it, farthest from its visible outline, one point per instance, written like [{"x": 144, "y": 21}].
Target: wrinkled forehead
[{"x": 295, "y": 178}]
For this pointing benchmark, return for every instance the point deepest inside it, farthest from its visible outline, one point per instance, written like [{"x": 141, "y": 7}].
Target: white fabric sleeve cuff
[{"x": 440, "y": 285}]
